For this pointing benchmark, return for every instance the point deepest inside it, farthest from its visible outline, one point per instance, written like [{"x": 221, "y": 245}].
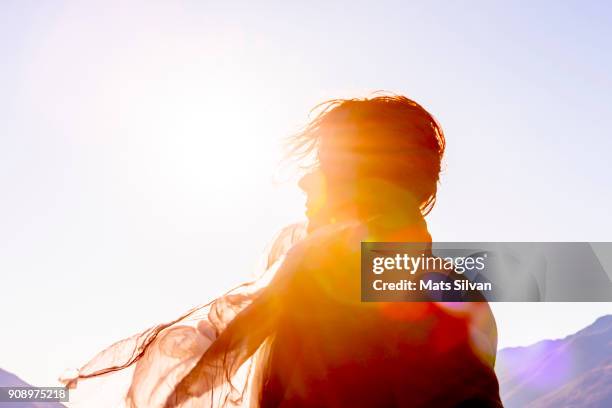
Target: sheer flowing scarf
[
  {"x": 166, "y": 353},
  {"x": 209, "y": 356}
]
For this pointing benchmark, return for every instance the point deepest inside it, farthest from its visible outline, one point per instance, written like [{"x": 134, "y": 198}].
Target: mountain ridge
[{"x": 532, "y": 375}]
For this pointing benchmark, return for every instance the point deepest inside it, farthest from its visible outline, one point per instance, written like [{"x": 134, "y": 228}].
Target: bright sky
[{"x": 139, "y": 141}]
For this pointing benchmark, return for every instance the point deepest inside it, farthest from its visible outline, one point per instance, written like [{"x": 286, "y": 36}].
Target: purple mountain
[
  {"x": 572, "y": 372},
  {"x": 11, "y": 380}
]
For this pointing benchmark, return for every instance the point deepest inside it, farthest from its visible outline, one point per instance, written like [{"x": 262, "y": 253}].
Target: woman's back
[
  {"x": 379, "y": 361},
  {"x": 331, "y": 350}
]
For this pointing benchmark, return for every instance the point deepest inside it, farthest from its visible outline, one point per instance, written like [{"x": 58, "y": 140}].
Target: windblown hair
[{"x": 390, "y": 137}]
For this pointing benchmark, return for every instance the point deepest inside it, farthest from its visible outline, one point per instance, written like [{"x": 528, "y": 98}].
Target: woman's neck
[{"x": 382, "y": 203}]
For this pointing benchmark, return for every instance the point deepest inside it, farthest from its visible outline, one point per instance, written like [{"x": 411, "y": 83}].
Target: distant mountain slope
[
  {"x": 591, "y": 390},
  {"x": 11, "y": 380},
  {"x": 572, "y": 372}
]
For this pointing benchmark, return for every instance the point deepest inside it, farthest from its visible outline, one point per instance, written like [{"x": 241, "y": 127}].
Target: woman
[{"x": 300, "y": 337}]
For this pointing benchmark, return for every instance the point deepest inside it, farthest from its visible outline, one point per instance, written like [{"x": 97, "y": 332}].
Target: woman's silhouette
[{"x": 300, "y": 337}]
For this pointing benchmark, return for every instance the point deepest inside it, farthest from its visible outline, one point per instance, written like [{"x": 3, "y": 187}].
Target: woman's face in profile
[
  {"x": 325, "y": 199},
  {"x": 314, "y": 185}
]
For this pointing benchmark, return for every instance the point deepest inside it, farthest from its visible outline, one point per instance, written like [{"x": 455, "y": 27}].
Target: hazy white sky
[{"x": 138, "y": 143}]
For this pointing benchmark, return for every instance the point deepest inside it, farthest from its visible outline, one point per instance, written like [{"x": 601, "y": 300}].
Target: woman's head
[{"x": 388, "y": 140}]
